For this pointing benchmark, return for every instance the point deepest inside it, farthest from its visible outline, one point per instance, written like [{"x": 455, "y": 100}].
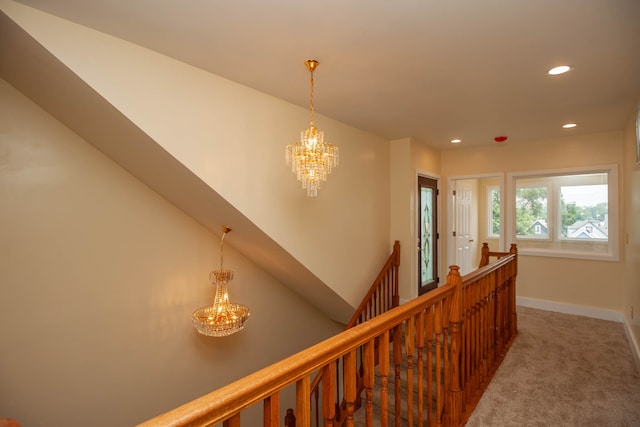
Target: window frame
[
  {"x": 490, "y": 189},
  {"x": 553, "y": 214},
  {"x": 549, "y": 208}
]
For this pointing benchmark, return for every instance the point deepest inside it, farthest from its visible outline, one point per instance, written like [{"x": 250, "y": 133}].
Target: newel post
[
  {"x": 484, "y": 255},
  {"x": 396, "y": 265},
  {"x": 455, "y": 391}
]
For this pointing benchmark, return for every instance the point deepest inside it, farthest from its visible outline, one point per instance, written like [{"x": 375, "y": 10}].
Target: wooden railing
[
  {"x": 490, "y": 322},
  {"x": 381, "y": 297},
  {"x": 486, "y": 254},
  {"x": 432, "y": 357},
  {"x": 383, "y": 294}
]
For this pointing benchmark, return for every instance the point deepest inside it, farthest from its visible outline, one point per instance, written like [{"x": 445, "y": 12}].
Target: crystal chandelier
[
  {"x": 222, "y": 318},
  {"x": 311, "y": 158}
]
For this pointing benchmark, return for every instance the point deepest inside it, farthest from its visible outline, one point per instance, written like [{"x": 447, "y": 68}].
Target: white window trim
[
  {"x": 613, "y": 198},
  {"x": 489, "y": 225}
]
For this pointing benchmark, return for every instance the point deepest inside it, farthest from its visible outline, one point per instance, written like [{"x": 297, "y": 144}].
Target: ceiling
[{"x": 432, "y": 70}]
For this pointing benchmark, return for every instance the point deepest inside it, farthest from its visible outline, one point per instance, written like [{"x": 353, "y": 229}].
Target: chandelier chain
[
  {"x": 311, "y": 93},
  {"x": 225, "y": 230}
]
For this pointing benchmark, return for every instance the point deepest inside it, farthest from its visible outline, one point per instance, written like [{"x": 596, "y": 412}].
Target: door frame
[
  {"x": 416, "y": 229},
  {"x": 500, "y": 176}
]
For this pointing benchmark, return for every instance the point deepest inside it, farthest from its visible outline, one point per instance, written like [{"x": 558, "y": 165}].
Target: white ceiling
[{"x": 428, "y": 69}]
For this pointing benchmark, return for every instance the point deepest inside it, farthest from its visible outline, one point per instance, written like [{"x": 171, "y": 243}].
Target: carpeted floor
[{"x": 563, "y": 370}]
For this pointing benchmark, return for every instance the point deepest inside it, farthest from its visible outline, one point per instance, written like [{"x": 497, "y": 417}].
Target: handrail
[
  {"x": 473, "y": 301},
  {"x": 385, "y": 285},
  {"x": 227, "y": 401},
  {"x": 381, "y": 296},
  {"x": 486, "y": 254}
]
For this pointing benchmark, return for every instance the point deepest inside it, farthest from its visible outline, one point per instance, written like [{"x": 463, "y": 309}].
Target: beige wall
[
  {"x": 234, "y": 138},
  {"x": 98, "y": 279},
  {"x": 408, "y": 159},
  {"x": 595, "y": 284},
  {"x": 632, "y": 237}
]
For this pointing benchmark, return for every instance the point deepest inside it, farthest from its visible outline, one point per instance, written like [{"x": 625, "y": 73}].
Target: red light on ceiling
[{"x": 500, "y": 138}]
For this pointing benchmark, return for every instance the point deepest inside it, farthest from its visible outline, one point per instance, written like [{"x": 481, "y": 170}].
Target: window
[
  {"x": 569, "y": 213},
  {"x": 493, "y": 208},
  {"x": 531, "y": 208}
]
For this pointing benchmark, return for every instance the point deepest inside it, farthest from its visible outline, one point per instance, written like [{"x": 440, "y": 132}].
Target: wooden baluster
[
  {"x": 499, "y": 312},
  {"x": 430, "y": 374},
  {"x": 484, "y": 329},
  {"x": 437, "y": 325},
  {"x": 316, "y": 410},
  {"x": 375, "y": 304},
  {"x": 271, "y": 410},
  {"x": 491, "y": 318},
  {"x": 477, "y": 347},
  {"x": 446, "y": 335},
  {"x": 328, "y": 394},
  {"x": 337, "y": 382},
  {"x": 368, "y": 379},
  {"x": 420, "y": 347},
  {"x": 383, "y": 357},
  {"x": 397, "y": 363},
  {"x": 350, "y": 379},
  {"x": 234, "y": 421},
  {"x": 303, "y": 401},
  {"x": 409, "y": 349},
  {"x": 473, "y": 335},
  {"x": 388, "y": 292},
  {"x": 467, "y": 342}
]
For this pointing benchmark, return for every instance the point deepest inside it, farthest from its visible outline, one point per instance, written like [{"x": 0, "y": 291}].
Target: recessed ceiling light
[
  {"x": 569, "y": 125},
  {"x": 561, "y": 69},
  {"x": 456, "y": 141}
]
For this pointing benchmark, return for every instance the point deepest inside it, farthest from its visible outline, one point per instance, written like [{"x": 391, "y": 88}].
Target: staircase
[
  {"x": 409, "y": 384},
  {"x": 424, "y": 362}
]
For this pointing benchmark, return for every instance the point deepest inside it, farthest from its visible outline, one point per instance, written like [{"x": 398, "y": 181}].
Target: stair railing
[
  {"x": 383, "y": 294},
  {"x": 441, "y": 341},
  {"x": 381, "y": 297}
]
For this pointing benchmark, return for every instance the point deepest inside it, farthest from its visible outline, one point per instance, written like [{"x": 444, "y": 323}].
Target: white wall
[
  {"x": 632, "y": 237},
  {"x": 99, "y": 276},
  {"x": 597, "y": 284},
  {"x": 233, "y": 138},
  {"x": 408, "y": 159}
]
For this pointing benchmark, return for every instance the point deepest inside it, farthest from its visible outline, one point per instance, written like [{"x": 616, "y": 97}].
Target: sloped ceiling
[{"x": 33, "y": 70}]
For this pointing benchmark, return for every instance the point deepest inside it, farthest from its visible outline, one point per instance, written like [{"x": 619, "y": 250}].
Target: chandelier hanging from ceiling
[
  {"x": 222, "y": 318},
  {"x": 311, "y": 158}
]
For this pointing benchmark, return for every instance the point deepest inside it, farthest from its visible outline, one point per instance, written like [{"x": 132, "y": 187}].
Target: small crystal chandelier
[
  {"x": 222, "y": 318},
  {"x": 311, "y": 158}
]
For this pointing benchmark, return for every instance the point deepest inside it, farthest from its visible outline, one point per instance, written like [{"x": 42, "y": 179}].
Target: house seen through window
[{"x": 568, "y": 214}]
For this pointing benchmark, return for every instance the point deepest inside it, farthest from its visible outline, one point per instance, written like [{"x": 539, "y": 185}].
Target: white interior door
[{"x": 465, "y": 230}]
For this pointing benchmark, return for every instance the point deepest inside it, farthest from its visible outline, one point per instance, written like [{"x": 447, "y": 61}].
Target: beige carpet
[{"x": 563, "y": 370}]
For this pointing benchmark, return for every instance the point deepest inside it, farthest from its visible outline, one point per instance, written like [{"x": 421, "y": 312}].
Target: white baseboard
[{"x": 578, "y": 310}]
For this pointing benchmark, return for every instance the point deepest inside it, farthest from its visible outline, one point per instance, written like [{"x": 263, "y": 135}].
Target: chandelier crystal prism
[
  {"x": 222, "y": 318},
  {"x": 311, "y": 158}
]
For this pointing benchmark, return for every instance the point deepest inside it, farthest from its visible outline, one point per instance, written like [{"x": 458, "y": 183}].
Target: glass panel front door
[{"x": 428, "y": 235}]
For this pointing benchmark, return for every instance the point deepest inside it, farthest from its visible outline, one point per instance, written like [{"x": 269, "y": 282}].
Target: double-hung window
[{"x": 569, "y": 213}]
